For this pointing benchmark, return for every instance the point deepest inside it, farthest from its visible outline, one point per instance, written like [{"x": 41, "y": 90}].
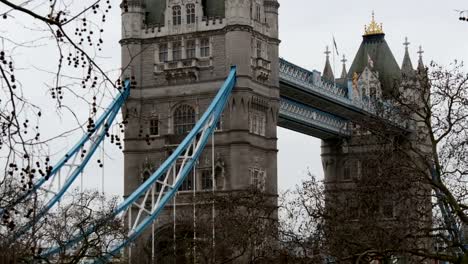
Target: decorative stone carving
[{"x": 147, "y": 168}]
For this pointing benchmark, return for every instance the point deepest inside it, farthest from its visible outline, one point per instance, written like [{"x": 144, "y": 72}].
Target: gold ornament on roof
[{"x": 373, "y": 28}]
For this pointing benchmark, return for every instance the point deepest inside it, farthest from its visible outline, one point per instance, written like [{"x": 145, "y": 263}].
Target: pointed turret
[
  {"x": 407, "y": 66},
  {"x": 343, "y": 80},
  {"x": 375, "y": 52},
  {"x": 421, "y": 66},
  {"x": 327, "y": 71},
  {"x": 344, "y": 73}
]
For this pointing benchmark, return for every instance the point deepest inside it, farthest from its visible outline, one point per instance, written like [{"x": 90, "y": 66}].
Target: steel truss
[
  {"x": 170, "y": 176},
  {"x": 71, "y": 165}
]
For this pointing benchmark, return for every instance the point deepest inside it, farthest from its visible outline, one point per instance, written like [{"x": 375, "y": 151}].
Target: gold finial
[{"x": 373, "y": 28}]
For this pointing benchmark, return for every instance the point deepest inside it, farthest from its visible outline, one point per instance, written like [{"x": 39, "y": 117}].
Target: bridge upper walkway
[{"x": 317, "y": 108}]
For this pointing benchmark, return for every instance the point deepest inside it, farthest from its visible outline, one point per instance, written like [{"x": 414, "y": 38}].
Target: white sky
[{"x": 306, "y": 27}]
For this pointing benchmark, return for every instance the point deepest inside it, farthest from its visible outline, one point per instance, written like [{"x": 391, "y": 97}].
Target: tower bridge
[
  {"x": 179, "y": 51},
  {"x": 211, "y": 91}
]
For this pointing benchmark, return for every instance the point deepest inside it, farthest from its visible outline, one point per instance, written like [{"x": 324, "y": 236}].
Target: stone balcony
[{"x": 183, "y": 68}]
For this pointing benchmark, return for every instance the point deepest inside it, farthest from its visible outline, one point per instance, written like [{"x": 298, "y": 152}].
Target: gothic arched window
[
  {"x": 176, "y": 15},
  {"x": 184, "y": 119},
  {"x": 373, "y": 93},
  {"x": 190, "y": 13}
]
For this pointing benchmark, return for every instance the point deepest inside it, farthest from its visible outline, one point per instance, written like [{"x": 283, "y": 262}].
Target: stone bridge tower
[
  {"x": 375, "y": 195},
  {"x": 179, "y": 52}
]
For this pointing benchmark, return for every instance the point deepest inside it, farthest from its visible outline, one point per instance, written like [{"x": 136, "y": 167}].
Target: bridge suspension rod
[{"x": 180, "y": 163}]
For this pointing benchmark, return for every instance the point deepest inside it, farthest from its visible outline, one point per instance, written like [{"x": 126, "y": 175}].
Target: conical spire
[
  {"x": 327, "y": 71},
  {"x": 420, "y": 62},
  {"x": 344, "y": 73},
  {"x": 375, "y": 50},
  {"x": 407, "y": 67}
]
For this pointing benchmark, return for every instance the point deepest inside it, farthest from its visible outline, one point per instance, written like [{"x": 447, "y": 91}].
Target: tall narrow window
[
  {"x": 219, "y": 177},
  {"x": 190, "y": 13},
  {"x": 187, "y": 184},
  {"x": 347, "y": 173},
  {"x": 347, "y": 170},
  {"x": 163, "y": 52},
  {"x": 257, "y": 119},
  {"x": 176, "y": 50},
  {"x": 257, "y": 177},
  {"x": 373, "y": 93},
  {"x": 190, "y": 49},
  {"x": 176, "y": 15},
  {"x": 219, "y": 124},
  {"x": 207, "y": 180},
  {"x": 146, "y": 175},
  {"x": 205, "y": 47},
  {"x": 184, "y": 119},
  {"x": 257, "y": 12},
  {"x": 154, "y": 126},
  {"x": 259, "y": 49}
]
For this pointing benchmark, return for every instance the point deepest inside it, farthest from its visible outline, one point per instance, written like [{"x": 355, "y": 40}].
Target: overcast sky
[{"x": 306, "y": 27}]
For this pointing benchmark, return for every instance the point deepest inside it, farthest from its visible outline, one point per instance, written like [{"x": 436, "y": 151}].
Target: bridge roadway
[{"x": 313, "y": 107}]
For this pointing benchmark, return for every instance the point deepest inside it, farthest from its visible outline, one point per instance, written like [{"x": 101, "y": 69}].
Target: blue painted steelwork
[
  {"x": 313, "y": 117},
  {"x": 311, "y": 83},
  {"x": 194, "y": 143},
  {"x": 312, "y": 80},
  {"x": 101, "y": 125}
]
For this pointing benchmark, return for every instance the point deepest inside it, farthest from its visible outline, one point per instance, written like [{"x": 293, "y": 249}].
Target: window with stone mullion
[
  {"x": 176, "y": 51},
  {"x": 205, "y": 47},
  {"x": 163, "y": 52},
  {"x": 154, "y": 126},
  {"x": 257, "y": 122},
  {"x": 190, "y": 14},
  {"x": 258, "y": 177},
  {"x": 184, "y": 119},
  {"x": 176, "y": 15},
  {"x": 190, "y": 49}
]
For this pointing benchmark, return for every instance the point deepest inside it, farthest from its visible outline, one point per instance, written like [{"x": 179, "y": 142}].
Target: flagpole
[{"x": 334, "y": 66}]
